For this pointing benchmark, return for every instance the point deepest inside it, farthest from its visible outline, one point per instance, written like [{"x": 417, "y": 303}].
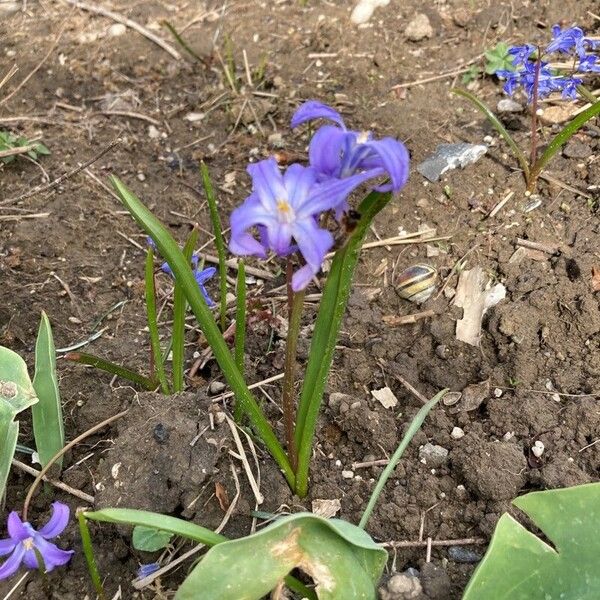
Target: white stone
[
  {"x": 385, "y": 396},
  {"x": 116, "y": 30},
  {"x": 538, "y": 448},
  {"x": 364, "y": 10},
  {"x": 419, "y": 28},
  {"x": 457, "y": 433},
  {"x": 216, "y": 387},
  {"x": 347, "y": 474}
]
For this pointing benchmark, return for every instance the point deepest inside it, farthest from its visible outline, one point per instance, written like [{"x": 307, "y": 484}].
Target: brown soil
[{"x": 79, "y": 258}]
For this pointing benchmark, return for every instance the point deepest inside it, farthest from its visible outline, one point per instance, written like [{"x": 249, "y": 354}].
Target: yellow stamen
[
  {"x": 28, "y": 543},
  {"x": 283, "y": 206}
]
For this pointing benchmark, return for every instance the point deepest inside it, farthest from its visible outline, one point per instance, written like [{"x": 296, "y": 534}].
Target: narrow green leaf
[
  {"x": 9, "y": 432},
  {"x": 148, "y": 539},
  {"x": 560, "y": 139},
  {"x": 415, "y": 425},
  {"x": 111, "y": 367},
  {"x": 179, "y": 311},
  {"x": 183, "y": 274},
  {"x": 327, "y": 327},
  {"x": 172, "y": 525},
  {"x": 493, "y": 119},
  {"x": 88, "y": 552},
  {"x": 219, "y": 243},
  {"x": 343, "y": 561},
  {"x": 240, "y": 329},
  {"x": 151, "y": 314},
  {"x": 182, "y": 42},
  {"x": 48, "y": 427}
]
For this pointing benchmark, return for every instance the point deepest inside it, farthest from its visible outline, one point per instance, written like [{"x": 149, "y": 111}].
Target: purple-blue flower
[
  {"x": 23, "y": 538},
  {"x": 147, "y": 569},
  {"x": 565, "y": 40},
  {"x": 337, "y": 152},
  {"x": 285, "y": 208},
  {"x": 521, "y": 54},
  {"x": 200, "y": 275}
]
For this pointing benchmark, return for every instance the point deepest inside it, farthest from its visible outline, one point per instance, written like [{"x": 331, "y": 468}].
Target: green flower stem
[
  {"x": 105, "y": 365},
  {"x": 295, "y": 305},
  {"x": 493, "y": 119},
  {"x": 559, "y": 140},
  {"x": 159, "y": 367},
  {"x": 219, "y": 243},
  {"x": 183, "y": 273},
  {"x": 88, "y": 552},
  {"x": 179, "y": 310},
  {"x": 240, "y": 329},
  {"x": 389, "y": 469}
]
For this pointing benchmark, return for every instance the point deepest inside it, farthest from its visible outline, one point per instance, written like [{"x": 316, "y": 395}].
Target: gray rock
[
  {"x": 433, "y": 455},
  {"x": 461, "y": 554},
  {"x": 216, "y": 387},
  {"x": 419, "y": 28},
  {"x": 577, "y": 149},
  {"x": 401, "y": 587},
  {"x": 450, "y": 156},
  {"x": 507, "y": 105}
]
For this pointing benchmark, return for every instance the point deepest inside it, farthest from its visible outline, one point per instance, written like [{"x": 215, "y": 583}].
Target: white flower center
[{"x": 28, "y": 544}]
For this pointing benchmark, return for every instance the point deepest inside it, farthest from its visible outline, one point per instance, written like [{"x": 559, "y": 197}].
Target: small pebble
[
  {"x": 509, "y": 435},
  {"x": 497, "y": 392},
  {"x": 153, "y": 132},
  {"x": 160, "y": 433},
  {"x": 506, "y": 105},
  {"x": 538, "y": 448},
  {"x": 401, "y": 587},
  {"x": 433, "y": 455},
  {"x": 419, "y": 28},
  {"x": 216, "y": 387},
  {"x": 577, "y": 149},
  {"x": 347, "y": 474},
  {"x": 457, "y": 433},
  {"x": 116, "y": 30},
  {"x": 463, "y": 555}
]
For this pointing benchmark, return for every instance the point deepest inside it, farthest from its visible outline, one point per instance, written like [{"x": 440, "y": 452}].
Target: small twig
[
  {"x": 232, "y": 263},
  {"x": 38, "y": 66},
  {"x": 57, "y": 484},
  {"x": 8, "y": 76},
  {"x": 394, "y": 320},
  {"x": 250, "y": 387},
  {"x": 424, "y": 543},
  {"x": 18, "y": 150},
  {"x": 60, "y": 453},
  {"x": 17, "y": 585},
  {"x": 500, "y": 205},
  {"x": 22, "y": 217},
  {"x": 552, "y": 250},
  {"x": 126, "y": 113},
  {"x": 64, "y": 176},
  {"x": 410, "y": 388},
  {"x": 251, "y": 480},
  {"x": 381, "y": 462},
  {"x": 128, "y": 23}
]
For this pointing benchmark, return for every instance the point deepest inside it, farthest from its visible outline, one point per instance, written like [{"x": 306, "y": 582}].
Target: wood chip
[
  {"x": 326, "y": 508},
  {"x": 385, "y": 396}
]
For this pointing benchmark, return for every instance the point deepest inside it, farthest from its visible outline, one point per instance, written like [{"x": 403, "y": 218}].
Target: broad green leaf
[
  {"x": 520, "y": 566},
  {"x": 16, "y": 390},
  {"x": 48, "y": 428},
  {"x": 149, "y": 539},
  {"x": 327, "y": 327},
  {"x": 342, "y": 560},
  {"x": 183, "y": 274},
  {"x": 9, "y": 431}
]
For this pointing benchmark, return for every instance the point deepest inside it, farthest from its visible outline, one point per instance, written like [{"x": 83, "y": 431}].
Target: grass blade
[
  {"x": 48, "y": 428},
  {"x": 183, "y": 43},
  {"x": 88, "y": 552},
  {"x": 183, "y": 273},
  {"x": 179, "y": 310},
  {"x": 560, "y": 139},
  {"x": 111, "y": 367},
  {"x": 327, "y": 327},
  {"x": 493, "y": 119},
  {"x": 389, "y": 469},
  {"x": 219, "y": 243},
  {"x": 240, "y": 329},
  {"x": 159, "y": 367}
]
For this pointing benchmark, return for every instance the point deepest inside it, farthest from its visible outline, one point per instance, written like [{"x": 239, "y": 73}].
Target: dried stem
[{"x": 534, "y": 106}]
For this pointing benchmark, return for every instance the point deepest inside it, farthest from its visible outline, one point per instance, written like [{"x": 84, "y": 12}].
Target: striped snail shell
[{"x": 417, "y": 283}]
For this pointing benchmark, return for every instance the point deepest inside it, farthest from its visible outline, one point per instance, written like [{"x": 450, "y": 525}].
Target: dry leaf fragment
[
  {"x": 326, "y": 508},
  {"x": 385, "y": 396},
  {"x": 596, "y": 279},
  {"x": 475, "y": 297},
  {"x": 222, "y": 497}
]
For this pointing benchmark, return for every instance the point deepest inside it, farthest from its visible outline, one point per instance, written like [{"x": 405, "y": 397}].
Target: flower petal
[
  {"x": 298, "y": 181},
  {"x": 204, "y": 275},
  {"x": 7, "y": 546},
  {"x": 267, "y": 183},
  {"x": 313, "y": 109},
  {"x": 245, "y": 245},
  {"x": 12, "y": 564},
  {"x": 326, "y": 149},
  {"x": 393, "y": 157},
  {"x": 249, "y": 214},
  {"x": 53, "y": 556},
  {"x": 205, "y": 295},
  {"x": 332, "y": 192},
  {"x": 280, "y": 238},
  {"x": 16, "y": 528},
  {"x": 301, "y": 278},
  {"x": 58, "y": 521},
  {"x": 313, "y": 242}
]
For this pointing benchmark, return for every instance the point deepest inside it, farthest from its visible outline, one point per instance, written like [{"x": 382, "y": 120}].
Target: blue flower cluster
[
  {"x": 284, "y": 209},
  {"x": 570, "y": 41}
]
